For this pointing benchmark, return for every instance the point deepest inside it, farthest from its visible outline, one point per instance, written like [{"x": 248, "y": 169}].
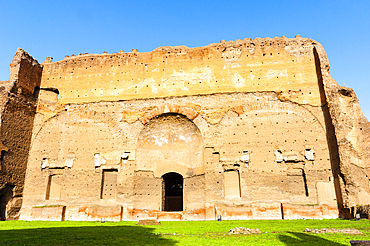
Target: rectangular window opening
[
  {"x": 54, "y": 187},
  {"x": 232, "y": 184},
  {"x": 109, "y": 184}
]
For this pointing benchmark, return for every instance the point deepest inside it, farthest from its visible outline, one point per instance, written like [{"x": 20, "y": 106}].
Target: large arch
[
  {"x": 177, "y": 109},
  {"x": 170, "y": 142}
]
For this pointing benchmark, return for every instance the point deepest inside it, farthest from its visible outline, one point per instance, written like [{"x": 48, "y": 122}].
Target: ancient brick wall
[
  {"x": 18, "y": 108},
  {"x": 252, "y": 126},
  {"x": 281, "y": 65},
  {"x": 262, "y": 125},
  {"x": 349, "y": 131}
]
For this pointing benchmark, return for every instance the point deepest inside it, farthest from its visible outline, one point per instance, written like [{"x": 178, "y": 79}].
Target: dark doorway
[
  {"x": 6, "y": 194},
  {"x": 173, "y": 192}
]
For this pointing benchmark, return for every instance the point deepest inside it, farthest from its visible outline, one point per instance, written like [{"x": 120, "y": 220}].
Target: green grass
[{"x": 276, "y": 232}]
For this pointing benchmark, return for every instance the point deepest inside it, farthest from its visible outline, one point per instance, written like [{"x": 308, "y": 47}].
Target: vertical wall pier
[
  {"x": 332, "y": 141},
  {"x": 18, "y": 108}
]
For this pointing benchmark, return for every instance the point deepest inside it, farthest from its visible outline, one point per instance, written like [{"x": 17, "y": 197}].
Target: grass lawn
[{"x": 275, "y": 232}]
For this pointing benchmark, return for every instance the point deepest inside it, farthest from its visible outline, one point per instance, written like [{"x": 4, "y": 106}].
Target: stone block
[
  {"x": 94, "y": 212},
  {"x": 51, "y": 213},
  {"x": 253, "y": 211},
  {"x": 169, "y": 216},
  {"x": 324, "y": 211}
]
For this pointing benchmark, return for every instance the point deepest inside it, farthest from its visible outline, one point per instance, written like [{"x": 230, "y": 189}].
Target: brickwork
[
  {"x": 281, "y": 65},
  {"x": 252, "y": 127},
  {"x": 17, "y": 110},
  {"x": 265, "y": 126}
]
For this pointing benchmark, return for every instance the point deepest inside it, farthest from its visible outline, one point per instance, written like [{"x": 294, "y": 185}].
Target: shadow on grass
[
  {"x": 89, "y": 235},
  {"x": 297, "y": 238}
]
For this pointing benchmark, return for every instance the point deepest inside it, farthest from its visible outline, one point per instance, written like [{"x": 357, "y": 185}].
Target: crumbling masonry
[{"x": 246, "y": 129}]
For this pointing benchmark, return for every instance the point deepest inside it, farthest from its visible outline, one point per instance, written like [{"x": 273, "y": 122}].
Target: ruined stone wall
[
  {"x": 286, "y": 66},
  {"x": 350, "y": 135},
  {"x": 250, "y": 125},
  {"x": 255, "y": 122},
  {"x": 18, "y": 108}
]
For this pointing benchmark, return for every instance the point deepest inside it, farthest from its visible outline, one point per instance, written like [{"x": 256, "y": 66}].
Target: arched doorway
[
  {"x": 172, "y": 193},
  {"x": 6, "y": 195},
  {"x": 168, "y": 143}
]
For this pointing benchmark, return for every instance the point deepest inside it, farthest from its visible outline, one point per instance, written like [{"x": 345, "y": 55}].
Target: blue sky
[{"x": 59, "y": 28}]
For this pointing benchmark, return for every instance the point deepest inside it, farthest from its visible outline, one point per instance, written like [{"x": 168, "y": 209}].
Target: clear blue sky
[{"x": 59, "y": 28}]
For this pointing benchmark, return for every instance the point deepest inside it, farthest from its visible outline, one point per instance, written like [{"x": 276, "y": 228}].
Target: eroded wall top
[
  {"x": 26, "y": 71},
  {"x": 282, "y": 65}
]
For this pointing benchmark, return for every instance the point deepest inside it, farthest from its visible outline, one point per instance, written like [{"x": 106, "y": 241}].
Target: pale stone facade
[{"x": 250, "y": 129}]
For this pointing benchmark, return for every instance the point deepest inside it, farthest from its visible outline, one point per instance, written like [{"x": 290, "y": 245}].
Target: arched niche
[{"x": 170, "y": 142}]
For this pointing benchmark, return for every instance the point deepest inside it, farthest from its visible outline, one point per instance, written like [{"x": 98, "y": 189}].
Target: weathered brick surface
[
  {"x": 17, "y": 111},
  {"x": 309, "y": 211},
  {"x": 256, "y": 128},
  {"x": 285, "y": 66}
]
